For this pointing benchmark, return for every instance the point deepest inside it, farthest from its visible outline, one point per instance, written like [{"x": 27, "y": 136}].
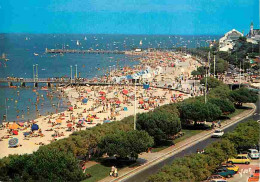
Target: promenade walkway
[{"x": 147, "y": 160}]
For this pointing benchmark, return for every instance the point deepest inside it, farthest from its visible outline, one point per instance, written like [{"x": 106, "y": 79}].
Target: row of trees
[{"x": 198, "y": 167}]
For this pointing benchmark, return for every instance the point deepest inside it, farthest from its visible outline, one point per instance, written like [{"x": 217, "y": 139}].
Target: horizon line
[{"x": 115, "y": 34}]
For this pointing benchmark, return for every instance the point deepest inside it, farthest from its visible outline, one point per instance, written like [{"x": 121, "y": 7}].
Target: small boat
[
  {"x": 36, "y": 54},
  {"x": 12, "y": 86}
]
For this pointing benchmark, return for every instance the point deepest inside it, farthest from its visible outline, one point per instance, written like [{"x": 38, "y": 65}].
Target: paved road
[{"x": 142, "y": 176}]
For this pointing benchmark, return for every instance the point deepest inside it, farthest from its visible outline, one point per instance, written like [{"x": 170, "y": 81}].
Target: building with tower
[{"x": 253, "y": 35}]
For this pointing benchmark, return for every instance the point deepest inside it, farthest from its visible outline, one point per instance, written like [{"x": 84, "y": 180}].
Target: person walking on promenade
[{"x": 112, "y": 171}]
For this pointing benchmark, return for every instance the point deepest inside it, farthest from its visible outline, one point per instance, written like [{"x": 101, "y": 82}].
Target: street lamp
[
  {"x": 135, "y": 108},
  {"x": 36, "y": 69},
  {"x": 70, "y": 74},
  {"x": 33, "y": 74},
  {"x": 76, "y": 71}
]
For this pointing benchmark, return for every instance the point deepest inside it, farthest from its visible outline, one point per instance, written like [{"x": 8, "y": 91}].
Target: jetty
[{"x": 64, "y": 51}]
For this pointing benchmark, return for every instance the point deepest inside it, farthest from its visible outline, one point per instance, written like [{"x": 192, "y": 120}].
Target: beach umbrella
[
  {"x": 118, "y": 102},
  {"x": 26, "y": 133},
  {"x": 125, "y": 91},
  {"x": 13, "y": 126},
  {"x": 15, "y": 132},
  {"x": 13, "y": 142},
  {"x": 71, "y": 108},
  {"x": 21, "y": 123},
  {"x": 58, "y": 120},
  {"x": 80, "y": 122},
  {"x": 103, "y": 98},
  {"x": 69, "y": 125},
  {"x": 102, "y": 93},
  {"x": 34, "y": 127},
  {"x": 85, "y": 100},
  {"x": 88, "y": 90},
  {"x": 107, "y": 121},
  {"x": 141, "y": 101}
]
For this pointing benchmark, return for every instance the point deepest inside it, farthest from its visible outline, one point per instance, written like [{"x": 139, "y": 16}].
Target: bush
[
  {"x": 221, "y": 92},
  {"x": 245, "y": 136},
  {"x": 198, "y": 111},
  {"x": 243, "y": 95},
  {"x": 159, "y": 124},
  {"x": 211, "y": 82},
  {"x": 126, "y": 144},
  {"x": 43, "y": 165},
  {"x": 225, "y": 105}
]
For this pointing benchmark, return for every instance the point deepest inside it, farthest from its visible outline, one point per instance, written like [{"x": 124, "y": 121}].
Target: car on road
[
  {"x": 217, "y": 133},
  {"x": 225, "y": 172},
  {"x": 253, "y": 179},
  {"x": 240, "y": 159},
  {"x": 215, "y": 177},
  {"x": 230, "y": 166},
  {"x": 257, "y": 172},
  {"x": 253, "y": 153},
  {"x": 218, "y": 180}
]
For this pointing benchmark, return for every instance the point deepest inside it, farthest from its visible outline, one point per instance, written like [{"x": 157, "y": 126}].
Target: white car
[
  {"x": 217, "y": 133},
  {"x": 253, "y": 153}
]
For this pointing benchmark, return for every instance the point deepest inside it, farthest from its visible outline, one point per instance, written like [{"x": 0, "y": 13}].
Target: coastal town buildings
[{"x": 227, "y": 43}]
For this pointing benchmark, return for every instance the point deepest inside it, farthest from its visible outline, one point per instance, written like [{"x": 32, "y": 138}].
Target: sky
[{"x": 171, "y": 17}]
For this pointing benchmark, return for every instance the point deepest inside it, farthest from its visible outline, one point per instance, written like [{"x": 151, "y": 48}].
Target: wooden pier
[{"x": 63, "y": 51}]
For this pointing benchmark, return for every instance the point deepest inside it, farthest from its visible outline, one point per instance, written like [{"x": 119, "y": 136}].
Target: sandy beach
[{"x": 91, "y": 105}]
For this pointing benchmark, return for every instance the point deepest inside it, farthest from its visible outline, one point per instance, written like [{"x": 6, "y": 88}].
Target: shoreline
[{"x": 97, "y": 110}]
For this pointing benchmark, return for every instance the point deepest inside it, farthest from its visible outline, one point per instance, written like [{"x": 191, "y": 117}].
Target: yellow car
[
  {"x": 230, "y": 167},
  {"x": 241, "y": 158}
]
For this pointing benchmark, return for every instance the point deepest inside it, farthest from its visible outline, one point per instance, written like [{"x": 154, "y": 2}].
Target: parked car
[
  {"x": 253, "y": 153},
  {"x": 218, "y": 180},
  {"x": 253, "y": 179},
  {"x": 230, "y": 167},
  {"x": 225, "y": 172},
  {"x": 240, "y": 159},
  {"x": 217, "y": 133},
  {"x": 256, "y": 173},
  {"x": 216, "y": 176}
]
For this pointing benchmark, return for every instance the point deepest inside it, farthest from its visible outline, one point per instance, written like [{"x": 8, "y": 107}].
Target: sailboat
[
  {"x": 4, "y": 57},
  {"x": 78, "y": 43},
  {"x": 85, "y": 38},
  {"x": 26, "y": 38},
  {"x": 141, "y": 42}
]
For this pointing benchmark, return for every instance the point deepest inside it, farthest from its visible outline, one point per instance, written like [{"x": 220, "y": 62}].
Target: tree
[
  {"x": 243, "y": 95},
  {"x": 159, "y": 124},
  {"x": 126, "y": 144},
  {"x": 245, "y": 136},
  {"x": 221, "y": 92},
  {"x": 220, "y": 67},
  {"x": 225, "y": 105},
  {"x": 211, "y": 82},
  {"x": 198, "y": 111},
  {"x": 43, "y": 165}
]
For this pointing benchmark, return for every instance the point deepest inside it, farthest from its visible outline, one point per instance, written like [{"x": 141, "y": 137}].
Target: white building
[{"x": 227, "y": 43}]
